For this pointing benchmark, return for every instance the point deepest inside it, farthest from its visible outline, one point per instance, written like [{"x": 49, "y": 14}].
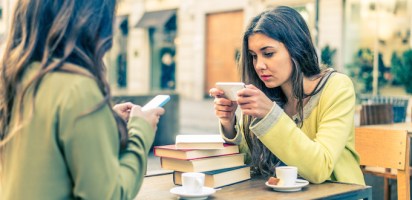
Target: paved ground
[{"x": 196, "y": 117}]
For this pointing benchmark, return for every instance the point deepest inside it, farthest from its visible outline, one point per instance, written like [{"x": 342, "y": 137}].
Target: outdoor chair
[
  {"x": 371, "y": 114},
  {"x": 399, "y": 104},
  {"x": 387, "y": 149}
]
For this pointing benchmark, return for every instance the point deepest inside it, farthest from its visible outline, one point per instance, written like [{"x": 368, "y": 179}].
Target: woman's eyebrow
[
  {"x": 263, "y": 48},
  {"x": 267, "y": 47}
]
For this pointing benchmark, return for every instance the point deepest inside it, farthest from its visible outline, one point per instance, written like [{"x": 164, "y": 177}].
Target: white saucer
[
  {"x": 300, "y": 183},
  {"x": 206, "y": 191}
]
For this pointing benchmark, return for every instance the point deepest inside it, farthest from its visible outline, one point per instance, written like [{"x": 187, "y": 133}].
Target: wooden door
[{"x": 223, "y": 43}]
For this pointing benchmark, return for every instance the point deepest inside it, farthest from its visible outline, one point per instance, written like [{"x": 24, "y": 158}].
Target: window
[{"x": 373, "y": 26}]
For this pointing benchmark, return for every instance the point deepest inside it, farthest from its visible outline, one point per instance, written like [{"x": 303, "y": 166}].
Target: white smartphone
[
  {"x": 230, "y": 88},
  {"x": 157, "y": 101}
]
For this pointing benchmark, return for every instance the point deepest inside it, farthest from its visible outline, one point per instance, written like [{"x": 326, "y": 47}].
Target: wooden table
[
  {"x": 158, "y": 187},
  {"x": 395, "y": 126}
]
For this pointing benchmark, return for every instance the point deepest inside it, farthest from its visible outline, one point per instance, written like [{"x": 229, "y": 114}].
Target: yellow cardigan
[
  {"x": 323, "y": 149},
  {"x": 60, "y": 156}
]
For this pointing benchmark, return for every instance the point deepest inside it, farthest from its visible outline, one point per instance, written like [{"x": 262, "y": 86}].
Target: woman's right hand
[
  {"x": 151, "y": 115},
  {"x": 224, "y": 108}
]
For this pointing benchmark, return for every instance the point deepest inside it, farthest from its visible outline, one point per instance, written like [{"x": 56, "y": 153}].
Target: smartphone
[
  {"x": 157, "y": 101},
  {"x": 230, "y": 88}
]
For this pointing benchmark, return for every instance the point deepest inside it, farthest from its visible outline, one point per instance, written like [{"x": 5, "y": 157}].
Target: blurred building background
[{"x": 185, "y": 46}]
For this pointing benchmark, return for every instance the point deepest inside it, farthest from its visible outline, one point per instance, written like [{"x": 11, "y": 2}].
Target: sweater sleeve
[
  {"x": 316, "y": 157},
  {"x": 239, "y": 138},
  {"x": 89, "y": 142}
]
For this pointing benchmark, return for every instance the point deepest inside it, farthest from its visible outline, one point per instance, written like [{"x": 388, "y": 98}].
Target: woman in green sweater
[
  {"x": 293, "y": 112},
  {"x": 59, "y": 136}
]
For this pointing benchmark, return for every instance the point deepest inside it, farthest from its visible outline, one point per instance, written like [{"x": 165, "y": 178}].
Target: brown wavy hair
[
  {"x": 69, "y": 31},
  {"x": 285, "y": 25}
]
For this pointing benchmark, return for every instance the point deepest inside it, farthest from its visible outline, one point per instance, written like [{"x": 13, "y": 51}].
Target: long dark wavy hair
[
  {"x": 55, "y": 32},
  {"x": 287, "y": 26}
]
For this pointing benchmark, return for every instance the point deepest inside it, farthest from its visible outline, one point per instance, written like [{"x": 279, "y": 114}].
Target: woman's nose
[{"x": 260, "y": 64}]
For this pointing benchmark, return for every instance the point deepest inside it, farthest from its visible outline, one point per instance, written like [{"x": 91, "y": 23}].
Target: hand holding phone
[
  {"x": 157, "y": 101},
  {"x": 230, "y": 89}
]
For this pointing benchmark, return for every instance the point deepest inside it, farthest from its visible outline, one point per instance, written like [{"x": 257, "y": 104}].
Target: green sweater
[
  {"x": 58, "y": 155},
  {"x": 323, "y": 148}
]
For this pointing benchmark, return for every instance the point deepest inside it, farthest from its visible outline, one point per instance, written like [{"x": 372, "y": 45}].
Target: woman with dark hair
[
  {"x": 293, "y": 112},
  {"x": 60, "y": 138}
]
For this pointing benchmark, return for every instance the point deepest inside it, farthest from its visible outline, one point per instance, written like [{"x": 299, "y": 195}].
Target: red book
[{"x": 170, "y": 151}]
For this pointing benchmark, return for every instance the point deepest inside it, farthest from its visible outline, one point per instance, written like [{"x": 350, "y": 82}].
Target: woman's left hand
[
  {"x": 254, "y": 102},
  {"x": 123, "y": 110}
]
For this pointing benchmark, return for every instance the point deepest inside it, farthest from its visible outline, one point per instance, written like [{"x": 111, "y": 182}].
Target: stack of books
[{"x": 222, "y": 163}]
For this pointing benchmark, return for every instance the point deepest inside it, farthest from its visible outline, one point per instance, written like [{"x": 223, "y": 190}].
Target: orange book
[{"x": 203, "y": 164}]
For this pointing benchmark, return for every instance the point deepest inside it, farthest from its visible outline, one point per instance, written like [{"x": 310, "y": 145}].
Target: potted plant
[
  {"x": 361, "y": 70},
  {"x": 327, "y": 56},
  {"x": 402, "y": 70}
]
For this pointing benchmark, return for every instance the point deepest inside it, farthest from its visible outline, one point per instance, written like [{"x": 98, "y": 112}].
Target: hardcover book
[
  {"x": 212, "y": 141},
  {"x": 171, "y": 151},
  {"x": 220, "y": 177},
  {"x": 202, "y": 164}
]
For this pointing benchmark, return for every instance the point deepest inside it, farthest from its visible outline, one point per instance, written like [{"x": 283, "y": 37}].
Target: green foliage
[
  {"x": 328, "y": 55},
  {"x": 402, "y": 69},
  {"x": 361, "y": 70},
  {"x": 396, "y": 68}
]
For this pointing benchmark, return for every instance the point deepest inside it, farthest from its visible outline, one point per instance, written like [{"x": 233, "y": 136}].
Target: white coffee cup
[
  {"x": 287, "y": 175},
  {"x": 193, "y": 182}
]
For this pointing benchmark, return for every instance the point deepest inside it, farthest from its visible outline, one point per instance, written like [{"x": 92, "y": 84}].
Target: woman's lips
[{"x": 265, "y": 77}]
